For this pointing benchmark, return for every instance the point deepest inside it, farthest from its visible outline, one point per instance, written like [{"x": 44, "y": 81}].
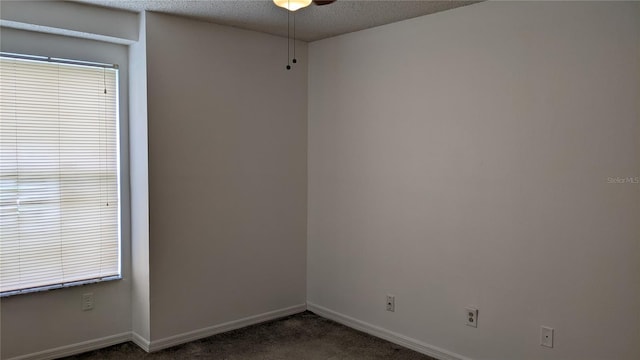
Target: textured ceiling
[{"x": 312, "y": 23}]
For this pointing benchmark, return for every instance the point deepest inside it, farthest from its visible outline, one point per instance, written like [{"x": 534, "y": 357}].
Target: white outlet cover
[
  {"x": 391, "y": 303},
  {"x": 87, "y": 301},
  {"x": 471, "y": 317},
  {"x": 546, "y": 336}
]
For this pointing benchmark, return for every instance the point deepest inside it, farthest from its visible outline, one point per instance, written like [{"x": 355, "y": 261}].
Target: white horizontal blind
[{"x": 59, "y": 179}]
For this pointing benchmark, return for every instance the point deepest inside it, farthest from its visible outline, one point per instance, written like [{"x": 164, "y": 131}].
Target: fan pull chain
[
  {"x": 294, "y": 39},
  {"x": 288, "y": 39}
]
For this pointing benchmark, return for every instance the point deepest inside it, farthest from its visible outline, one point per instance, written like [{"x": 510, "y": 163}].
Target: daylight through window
[{"x": 59, "y": 174}]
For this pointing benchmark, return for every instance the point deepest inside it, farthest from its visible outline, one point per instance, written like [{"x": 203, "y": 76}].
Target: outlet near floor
[
  {"x": 87, "y": 301},
  {"x": 471, "y": 317},
  {"x": 391, "y": 303},
  {"x": 546, "y": 336}
]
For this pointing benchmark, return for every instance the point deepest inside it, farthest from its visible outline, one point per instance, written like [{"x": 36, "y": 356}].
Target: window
[{"x": 59, "y": 173}]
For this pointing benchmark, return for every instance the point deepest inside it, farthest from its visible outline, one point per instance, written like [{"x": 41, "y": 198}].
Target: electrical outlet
[
  {"x": 546, "y": 336},
  {"x": 471, "y": 317},
  {"x": 87, "y": 301},
  {"x": 391, "y": 303}
]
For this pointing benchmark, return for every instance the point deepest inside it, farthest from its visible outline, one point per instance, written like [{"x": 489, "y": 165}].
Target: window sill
[{"x": 59, "y": 286}]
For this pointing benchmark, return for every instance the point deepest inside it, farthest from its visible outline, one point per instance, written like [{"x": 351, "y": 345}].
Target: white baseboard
[
  {"x": 77, "y": 348},
  {"x": 140, "y": 341},
  {"x": 150, "y": 346},
  {"x": 160, "y": 344},
  {"x": 382, "y": 333}
]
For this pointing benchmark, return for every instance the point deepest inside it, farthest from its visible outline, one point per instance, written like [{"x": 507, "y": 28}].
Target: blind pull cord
[{"x": 106, "y": 165}]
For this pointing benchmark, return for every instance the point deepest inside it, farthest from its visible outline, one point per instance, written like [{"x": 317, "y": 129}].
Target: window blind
[{"x": 59, "y": 174}]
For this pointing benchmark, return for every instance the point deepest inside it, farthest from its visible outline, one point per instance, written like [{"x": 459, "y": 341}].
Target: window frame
[{"x": 120, "y": 173}]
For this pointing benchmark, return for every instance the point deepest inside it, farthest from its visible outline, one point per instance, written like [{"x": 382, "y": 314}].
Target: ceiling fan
[
  {"x": 293, "y": 5},
  {"x": 323, "y": 2}
]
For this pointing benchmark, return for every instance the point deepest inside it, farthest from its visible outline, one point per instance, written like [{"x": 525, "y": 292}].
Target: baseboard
[
  {"x": 156, "y": 345},
  {"x": 140, "y": 341},
  {"x": 170, "y": 341},
  {"x": 77, "y": 348},
  {"x": 382, "y": 333}
]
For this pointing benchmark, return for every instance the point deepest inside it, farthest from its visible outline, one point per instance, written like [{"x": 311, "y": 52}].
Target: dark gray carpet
[{"x": 300, "y": 336}]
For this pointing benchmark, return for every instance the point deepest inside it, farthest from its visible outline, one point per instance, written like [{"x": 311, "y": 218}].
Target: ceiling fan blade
[{"x": 323, "y": 2}]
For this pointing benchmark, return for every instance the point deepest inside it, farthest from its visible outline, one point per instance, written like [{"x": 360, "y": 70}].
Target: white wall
[
  {"x": 218, "y": 178},
  {"x": 227, "y": 163},
  {"x": 43, "y": 321},
  {"x": 70, "y": 19},
  {"x": 462, "y": 159},
  {"x": 227, "y": 129},
  {"x": 139, "y": 175},
  {"x": 455, "y": 159}
]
